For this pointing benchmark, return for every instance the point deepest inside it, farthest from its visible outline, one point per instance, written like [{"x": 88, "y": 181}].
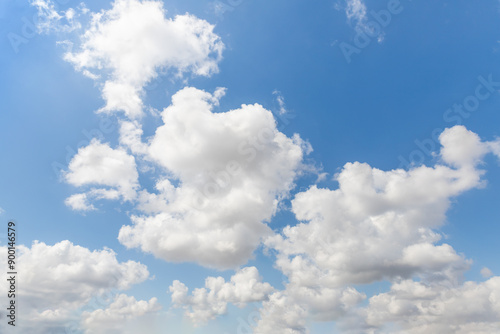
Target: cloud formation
[
  {"x": 223, "y": 177},
  {"x": 356, "y": 10},
  {"x": 118, "y": 314},
  {"x": 133, "y": 41},
  {"x": 378, "y": 225},
  {"x": 99, "y": 165},
  {"x": 231, "y": 169},
  {"x": 60, "y": 279},
  {"x": 204, "y": 304},
  {"x": 50, "y": 20},
  {"x": 357, "y": 13},
  {"x": 418, "y": 308}
]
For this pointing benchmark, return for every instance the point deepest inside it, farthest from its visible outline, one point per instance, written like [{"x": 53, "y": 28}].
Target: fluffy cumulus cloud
[
  {"x": 133, "y": 41},
  {"x": 99, "y": 165},
  {"x": 79, "y": 202},
  {"x": 418, "y": 308},
  {"x": 230, "y": 168},
  {"x": 223, "y": 173},
  {"x": 204, "y": 304},
  {"x": 462, "y": 147},
  {"x": 378, "y": 225},
  {"x": 281, "y": 314},
  {"x": 60, "y": 279},
  {"x": 123, "y": 310}
]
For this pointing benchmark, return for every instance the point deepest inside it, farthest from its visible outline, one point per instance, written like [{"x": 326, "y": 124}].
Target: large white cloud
[
  {"x": 378, "y": 225},
  {"x": 133, "y": 41},
  {"x": 245, "y": 286},
  {"x": 231, "y": 170},
  {"x": 56, "y": 281}
]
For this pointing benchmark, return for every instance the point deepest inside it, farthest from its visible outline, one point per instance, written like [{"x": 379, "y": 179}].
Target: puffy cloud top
[
  {"x": 134, "y": 40},
  {"x": 232, "y": 169},
  {"x": 99, "y": 165},
  {"x": 59, "y": 279},
  {"x": 205, "y": 304}
]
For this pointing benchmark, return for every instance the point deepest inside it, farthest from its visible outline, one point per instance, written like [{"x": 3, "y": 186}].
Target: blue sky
[{"x": 377, "y": 106}]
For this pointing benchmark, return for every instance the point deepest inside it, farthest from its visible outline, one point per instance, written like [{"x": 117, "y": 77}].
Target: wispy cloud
[
  {"x": 357, "y": 14},
  {"x": 356, "y": 11}
]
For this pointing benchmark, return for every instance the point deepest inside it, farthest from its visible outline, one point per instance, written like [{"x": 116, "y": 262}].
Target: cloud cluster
[
  {"x": 60, "y": 279},
  {"x": 418, "y": 308},
  {"x": 133, "y": 41},
  {"x": 223, "y": 174},
  {"x": 356, "y": 10},
  {"x": 49, "y": 19},
  {"x": 378, "y": 225},
  {"x": 222, "y": 178},
  {"x": 204, "y": 304},
  {"x": 231, "y": 169},
  {"x": 357, "y": 13}
]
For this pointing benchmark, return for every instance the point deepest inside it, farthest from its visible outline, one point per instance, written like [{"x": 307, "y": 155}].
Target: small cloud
[
  {"x": 356, "y": 13},
  {"x": 486, "y": 272},
  {"x": 1, "y": 211},
  {"x": 356, "y": 10},
  {"x": 281, "y": 102},
  {"x": 321, "y": 177},
  {"x": 49, "y": 19},
  {"x": 79, "y": 202}
]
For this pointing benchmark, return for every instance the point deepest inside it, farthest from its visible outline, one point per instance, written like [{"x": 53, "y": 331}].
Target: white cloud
[
  {"x": 133, "y": 41},
  {"x": 58, "y": 280},
  {"x": 207, "y": 303},
  {"x": 116, "y": 318},
  {"x": 486, "y": 272},
  {"x": 281, "y": 314},
  {"x": 281, "y": 102},
  {"x": 231, "y": 168},
  {"x": 378, "y": 225},
  {"x": 494, "y": 147},
  {"x": 131, "y": 137},
  {"x": 419, "y": 308},
  {"x": 49, "y": 19},
  {"x": 462, "y": 147},
  {"x": 98, "y": 164},
  {"x": 356, "y": 10},
  {"x": 79, "y": 202}
]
